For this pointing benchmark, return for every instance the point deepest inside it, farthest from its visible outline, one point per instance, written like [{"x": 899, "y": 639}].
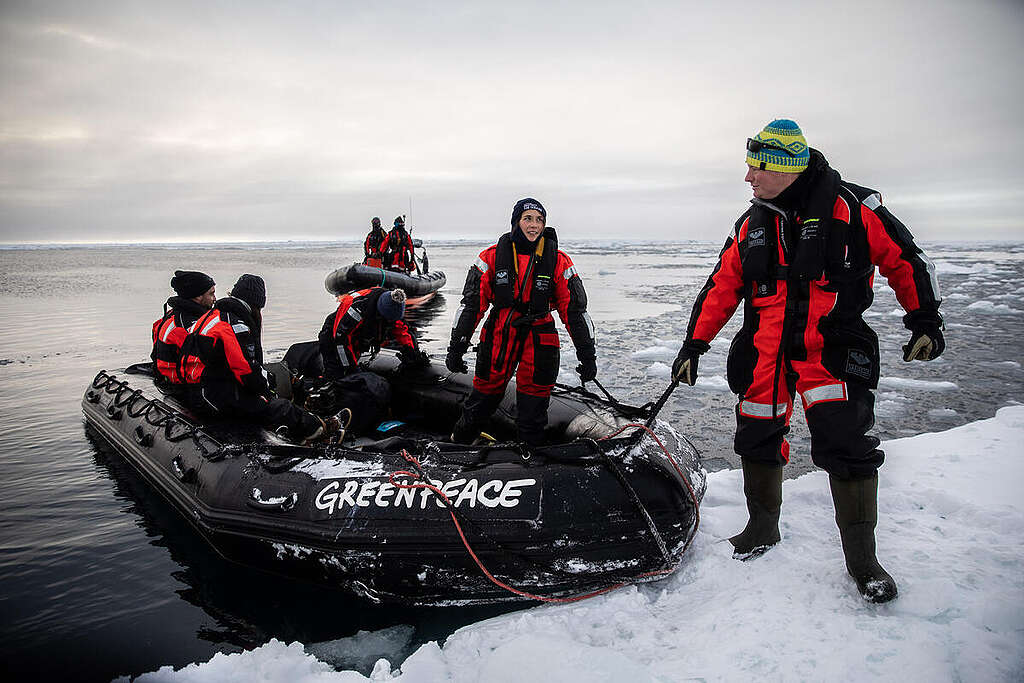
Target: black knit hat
[
  {"x": 189, "y": 284},
  {"x": 375, "y": 222},
  {"x": 525, "y": 205},
  {"x": 251, "y": 290},
  {"x": 391, "y": 305}
]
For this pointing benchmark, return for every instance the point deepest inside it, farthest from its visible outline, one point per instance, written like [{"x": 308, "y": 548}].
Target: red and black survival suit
[
  {"x": 169, "y": 332},
  {"x": 373, "y": 246},
  {"x": 222, "y": 360},
  {"x": 357, "y": 327},
  {"x": 399, "y": 253},
  {"x": 521, "y": 282},
  {"x": 803, "y": 265}
]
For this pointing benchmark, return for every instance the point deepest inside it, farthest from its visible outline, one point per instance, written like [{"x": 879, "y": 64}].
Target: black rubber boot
[
  {"x": 531, "y": 418},
  {"x": 476, "y": 412},
  {"x": 762, "y": 486},
  {"x": 856, "y": 504},
  {"x": 464, "y": 432}
]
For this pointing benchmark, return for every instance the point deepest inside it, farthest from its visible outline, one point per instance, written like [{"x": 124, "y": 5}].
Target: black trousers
[{"x": 227, "y": 399}]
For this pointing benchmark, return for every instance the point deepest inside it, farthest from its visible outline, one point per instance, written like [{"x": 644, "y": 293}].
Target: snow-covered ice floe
[{"x": 951, "y": 531}]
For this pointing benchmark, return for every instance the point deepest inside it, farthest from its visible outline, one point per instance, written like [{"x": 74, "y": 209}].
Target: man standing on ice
[{"x": 802, "y": 260}]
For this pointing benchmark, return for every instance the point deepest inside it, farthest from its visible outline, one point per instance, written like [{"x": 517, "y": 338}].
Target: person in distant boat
[
  {"x": 802, "y": 260},
  {"x": 373, "y": 247},
  {"x": 364, "y": 321},
  {"x": 195, "y": 294},
  {"x": 521, "y": 279},
  {"x": 222, "y": 362},
  {"x": 399, "y": 253}
]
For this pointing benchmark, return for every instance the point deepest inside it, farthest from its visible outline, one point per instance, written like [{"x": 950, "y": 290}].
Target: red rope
[{"x": 526, "y": 594}]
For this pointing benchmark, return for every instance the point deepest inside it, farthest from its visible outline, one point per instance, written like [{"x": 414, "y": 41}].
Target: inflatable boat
[
  {"x": 420, "y": 288},
  {"x": 400, "y": 515}
]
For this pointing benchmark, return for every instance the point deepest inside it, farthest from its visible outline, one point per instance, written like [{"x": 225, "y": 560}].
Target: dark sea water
[{"x": 99, "y": 577}]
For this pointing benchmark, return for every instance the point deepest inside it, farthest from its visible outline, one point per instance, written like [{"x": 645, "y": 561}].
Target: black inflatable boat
[
  {"x": 401, "y": 515},
  {"x": 357, "y": 276}
]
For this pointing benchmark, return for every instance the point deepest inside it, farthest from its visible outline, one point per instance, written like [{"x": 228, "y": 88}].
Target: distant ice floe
[
  {"x": 992, "y": 308},
  {"x": 713, "y": 382},
  {"x": 663, "y": 353},
  {"x": 949, "y": 268},
  {"x": 942, "y": 412},
  {"x": 661, "y": 349},
  {"x": 890, "y": 408},
  {"x": 1007, "y": 364},
  {"x": 659, "y": 370},
  {"x": 908, "y": 384},
  {"x": 710, "y": 382}
]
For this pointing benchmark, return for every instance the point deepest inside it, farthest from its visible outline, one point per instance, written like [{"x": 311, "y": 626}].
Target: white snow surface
[{"x": 951, "y": 531}]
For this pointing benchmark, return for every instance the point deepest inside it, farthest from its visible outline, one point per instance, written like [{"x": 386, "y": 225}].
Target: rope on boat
[
  {"x": 421, "y": 483},
  {"x": 167, "y": 417}
]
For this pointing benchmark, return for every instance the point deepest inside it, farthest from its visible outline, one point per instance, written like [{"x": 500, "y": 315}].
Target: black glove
[
  {"x": 926, "y": 342},
  {"x": 924, "y": 345},
  {"x": 587, "y": 369},
  {"x": 414, "y": 359},
  {"x": 684, "y": 369},
  {"x": 453, "y": 361}
]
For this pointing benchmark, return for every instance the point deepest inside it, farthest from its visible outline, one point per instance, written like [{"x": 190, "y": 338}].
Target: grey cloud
[{"x": 132, "y": 120}]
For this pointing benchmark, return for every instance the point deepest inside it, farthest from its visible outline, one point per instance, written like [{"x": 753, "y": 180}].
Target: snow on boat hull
[
  {"x": 358, "y": 275},
  {"x": 562, "y": 520}
]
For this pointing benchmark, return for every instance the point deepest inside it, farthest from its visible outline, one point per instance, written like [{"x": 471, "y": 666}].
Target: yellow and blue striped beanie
[{"x": 781, "y": 146}]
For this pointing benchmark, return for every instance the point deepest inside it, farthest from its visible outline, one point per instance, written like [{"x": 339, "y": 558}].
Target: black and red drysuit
[
  {"x": 222, "y": 361},
  {"x": 169, "y": 331},
  {"x": 521, "y": 282},
  {"x": 398, "y": 250},
  {"x": 373, "y": 247},
  {"x": 357, "y": 327},
  {"x": 803, "y": 265}
]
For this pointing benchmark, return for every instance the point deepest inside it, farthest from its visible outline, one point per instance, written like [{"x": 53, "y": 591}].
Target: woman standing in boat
[{"x": 522, "y": 279}]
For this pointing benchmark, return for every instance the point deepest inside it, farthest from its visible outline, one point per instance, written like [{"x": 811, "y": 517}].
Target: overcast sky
[{"x": 165, "y": 121}]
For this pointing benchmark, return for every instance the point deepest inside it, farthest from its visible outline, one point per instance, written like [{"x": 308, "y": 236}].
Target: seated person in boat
[
  {"x": 373, "y": 247},
  {"x": 222, "y": 362},
  {"x": 364, "y": 321},
  {"x": 399, "y": 253},
  {"x": 195, "y": 294},
  {"x": 522, "y": 279}
]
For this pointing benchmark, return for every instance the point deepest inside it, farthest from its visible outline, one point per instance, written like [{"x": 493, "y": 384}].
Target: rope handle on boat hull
[
  {"x": 137, "y": 405},
  {"x": 185, "y": 475},
  {"x": 273, "y": 503},
  {"x": 142, "y": 437}
]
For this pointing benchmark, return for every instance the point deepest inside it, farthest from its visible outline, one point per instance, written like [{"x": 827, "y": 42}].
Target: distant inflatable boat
[
  {"x": 418, "y": 287},
  {"x": 403, "y": 516}
]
